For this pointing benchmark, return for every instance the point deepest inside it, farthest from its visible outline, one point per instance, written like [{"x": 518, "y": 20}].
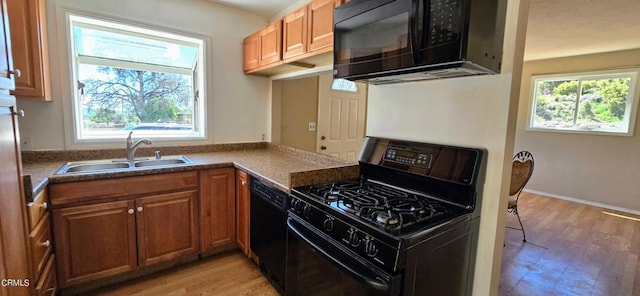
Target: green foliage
[
  {"x": 104, "y": 115},
  {"x": 567, "y": 88},
  {"x": 158, "y": 110}
]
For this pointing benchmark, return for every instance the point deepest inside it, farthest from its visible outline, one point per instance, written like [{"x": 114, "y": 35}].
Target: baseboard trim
[{"x": 586, "y": 202}]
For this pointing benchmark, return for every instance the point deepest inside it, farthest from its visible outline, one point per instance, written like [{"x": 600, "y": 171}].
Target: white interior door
[{"x": 341, "y": 119}]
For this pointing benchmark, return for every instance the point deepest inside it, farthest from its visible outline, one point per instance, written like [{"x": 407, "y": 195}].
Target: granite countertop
[{"x": 279, "y": 166}]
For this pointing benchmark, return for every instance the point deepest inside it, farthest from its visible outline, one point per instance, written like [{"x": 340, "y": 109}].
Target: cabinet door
[
  {"x": 217, "y": 209},
  {"x": 166, "y": 226},
  {"x": 242, "y": 211},
  {"x": 29, "y": 43},
  {"x": 6, "y": 61},
  {"x": 13, "y": 239},
  {"x": 271, "y": 43},
  {"x": 294, "y": 33},
  {"x": 321, "y": 23},
  {"x": 94, "y": 241},
  {"x": 251, "y": 52}
]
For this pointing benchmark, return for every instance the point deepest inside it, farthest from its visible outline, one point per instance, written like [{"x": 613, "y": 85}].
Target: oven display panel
[{"x": 408, "y": 157}]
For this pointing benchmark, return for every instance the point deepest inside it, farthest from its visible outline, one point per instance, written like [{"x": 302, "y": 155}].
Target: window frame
[
  {"x": 630, "y": 110},
  {"x": 72, "y": 107}
]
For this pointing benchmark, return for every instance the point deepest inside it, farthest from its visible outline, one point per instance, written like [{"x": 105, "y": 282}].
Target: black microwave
[{"x": 390, "y": 41}]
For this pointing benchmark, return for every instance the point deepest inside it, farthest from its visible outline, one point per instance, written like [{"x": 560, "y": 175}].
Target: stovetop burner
[{"x": 382, "y": 206}]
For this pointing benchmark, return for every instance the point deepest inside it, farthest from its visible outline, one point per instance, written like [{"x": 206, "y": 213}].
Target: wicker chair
[{"x": 521, "y": 170}]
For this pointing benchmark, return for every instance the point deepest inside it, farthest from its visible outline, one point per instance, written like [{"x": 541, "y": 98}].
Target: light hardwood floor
[
  {"x": 230, "y": 273},
  {"x": 571, "y": 249}
]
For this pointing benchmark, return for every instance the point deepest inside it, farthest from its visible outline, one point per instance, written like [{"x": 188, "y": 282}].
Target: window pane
[
  {"x": 132, "y": 78},
  {"x": 115, "y": 100},
  {"x": 555, "y": 103},
  {"x": 603, "y": 104},
  {"x": 344, "y": 85},
  {"x": 114, "y": 44}
]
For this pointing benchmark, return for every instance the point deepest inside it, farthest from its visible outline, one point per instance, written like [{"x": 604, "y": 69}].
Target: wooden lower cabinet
[
  {"x": 95, "y": 241},
  {"x": 167, "y": 226},
  {"x": 47, "y": 284},
  {"x": 242, "y": 211},
  {"x": 217, "y": 209}
]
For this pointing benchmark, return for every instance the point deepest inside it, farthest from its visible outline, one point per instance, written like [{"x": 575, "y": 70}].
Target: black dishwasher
[{"x": 269, "y": 231}]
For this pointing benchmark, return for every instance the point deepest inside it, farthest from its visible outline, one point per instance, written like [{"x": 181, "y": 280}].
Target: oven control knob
[
  {"x": 354, "y": 238},
  {"x": 370, "y": 248},
  {"x": 328, "y": 224},
  {"x": 307, "y": 211},
  {"x": 298, "y": 205}
]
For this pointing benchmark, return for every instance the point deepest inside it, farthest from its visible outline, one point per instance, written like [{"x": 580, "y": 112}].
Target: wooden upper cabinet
[
  {"x": 95, "y": 241},
  {"x": 29, "y": 42},
  {"x": 251, "y": 52},
  {"x": 166, "y": 225},
  {"x": 242, "y": 211},
  {"x": 294, "y": 33},
  {"x": 217, "y": 209},
  {"x": 321, "y": 23},
  {"x": 7, "y": 80},
  {"x": 271, "y": 43}
]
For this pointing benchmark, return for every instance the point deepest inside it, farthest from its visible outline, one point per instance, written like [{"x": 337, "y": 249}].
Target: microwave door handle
[
  {"x": 374, "y": 283},
  {"x": 415, "y": 34}
]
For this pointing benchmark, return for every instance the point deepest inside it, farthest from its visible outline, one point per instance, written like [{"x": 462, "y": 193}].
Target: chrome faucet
[{"x": 131, "y": 147}]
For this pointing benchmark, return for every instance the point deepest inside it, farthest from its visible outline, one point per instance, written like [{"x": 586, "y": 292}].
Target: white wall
[
  {"x": 592, "y": 168},
  {"x": 237, "y": 105},
  {"x": 471, "y": 111}
]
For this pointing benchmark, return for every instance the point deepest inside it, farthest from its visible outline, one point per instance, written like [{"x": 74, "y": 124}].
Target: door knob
[
  {"x": 323, "y": 147},
  {"x": 323, "y": 138}
]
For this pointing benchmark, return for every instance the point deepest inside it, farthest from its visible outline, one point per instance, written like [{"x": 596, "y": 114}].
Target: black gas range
[{"x": 407, "y": 226}]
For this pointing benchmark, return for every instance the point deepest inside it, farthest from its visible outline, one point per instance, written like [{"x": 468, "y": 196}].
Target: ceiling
[
  {"x": 555, "y": 29},
  {"x": 575, "y": 27},
  {"x": 267, "y": 8}
]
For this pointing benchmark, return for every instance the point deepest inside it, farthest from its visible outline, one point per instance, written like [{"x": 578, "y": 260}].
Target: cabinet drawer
[
  {"x": 40, "y": 240},
  {"x": 47, "y": 284},
  {"x": 63, "y": 194},
  {"x": 37, "y": 208}
]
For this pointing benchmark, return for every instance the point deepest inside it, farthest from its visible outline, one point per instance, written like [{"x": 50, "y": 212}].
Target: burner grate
[{"x": 385, "y": 207}]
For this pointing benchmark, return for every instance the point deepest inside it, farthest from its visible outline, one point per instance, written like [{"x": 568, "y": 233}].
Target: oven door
[{"x": 317, "y": 265}]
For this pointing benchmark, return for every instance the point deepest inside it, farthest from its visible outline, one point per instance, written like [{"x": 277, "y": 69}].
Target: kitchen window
[
  {"x": 595, "y": 102},
  {"x": 131, "y": 78}
]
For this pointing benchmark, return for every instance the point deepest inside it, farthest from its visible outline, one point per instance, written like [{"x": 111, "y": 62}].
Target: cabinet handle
[
  {"x": 19, "y": 113},
  {"x": 130, "y": 211},
  {"x": 243, "y": 182},
  {"x": 16, "y": 72},
  {"x": 44, "y": 205},
  {"x": 46, "y": 243},
  {"x": 323, "y": 147},
  {"x": 140, "y": 209}
]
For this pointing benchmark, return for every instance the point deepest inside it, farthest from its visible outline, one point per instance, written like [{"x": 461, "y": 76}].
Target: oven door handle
[{"x": 374, "y": 283}]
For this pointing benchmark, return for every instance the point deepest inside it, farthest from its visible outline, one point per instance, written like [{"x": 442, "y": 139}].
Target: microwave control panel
[{"x": 444, "y": 21}]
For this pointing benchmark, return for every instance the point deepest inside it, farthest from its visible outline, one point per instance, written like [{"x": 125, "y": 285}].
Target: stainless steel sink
[
  {"x": 115, "y": 165},
  {"x": 156, "y": 162},
  {"x": 76, "y": 168}
]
